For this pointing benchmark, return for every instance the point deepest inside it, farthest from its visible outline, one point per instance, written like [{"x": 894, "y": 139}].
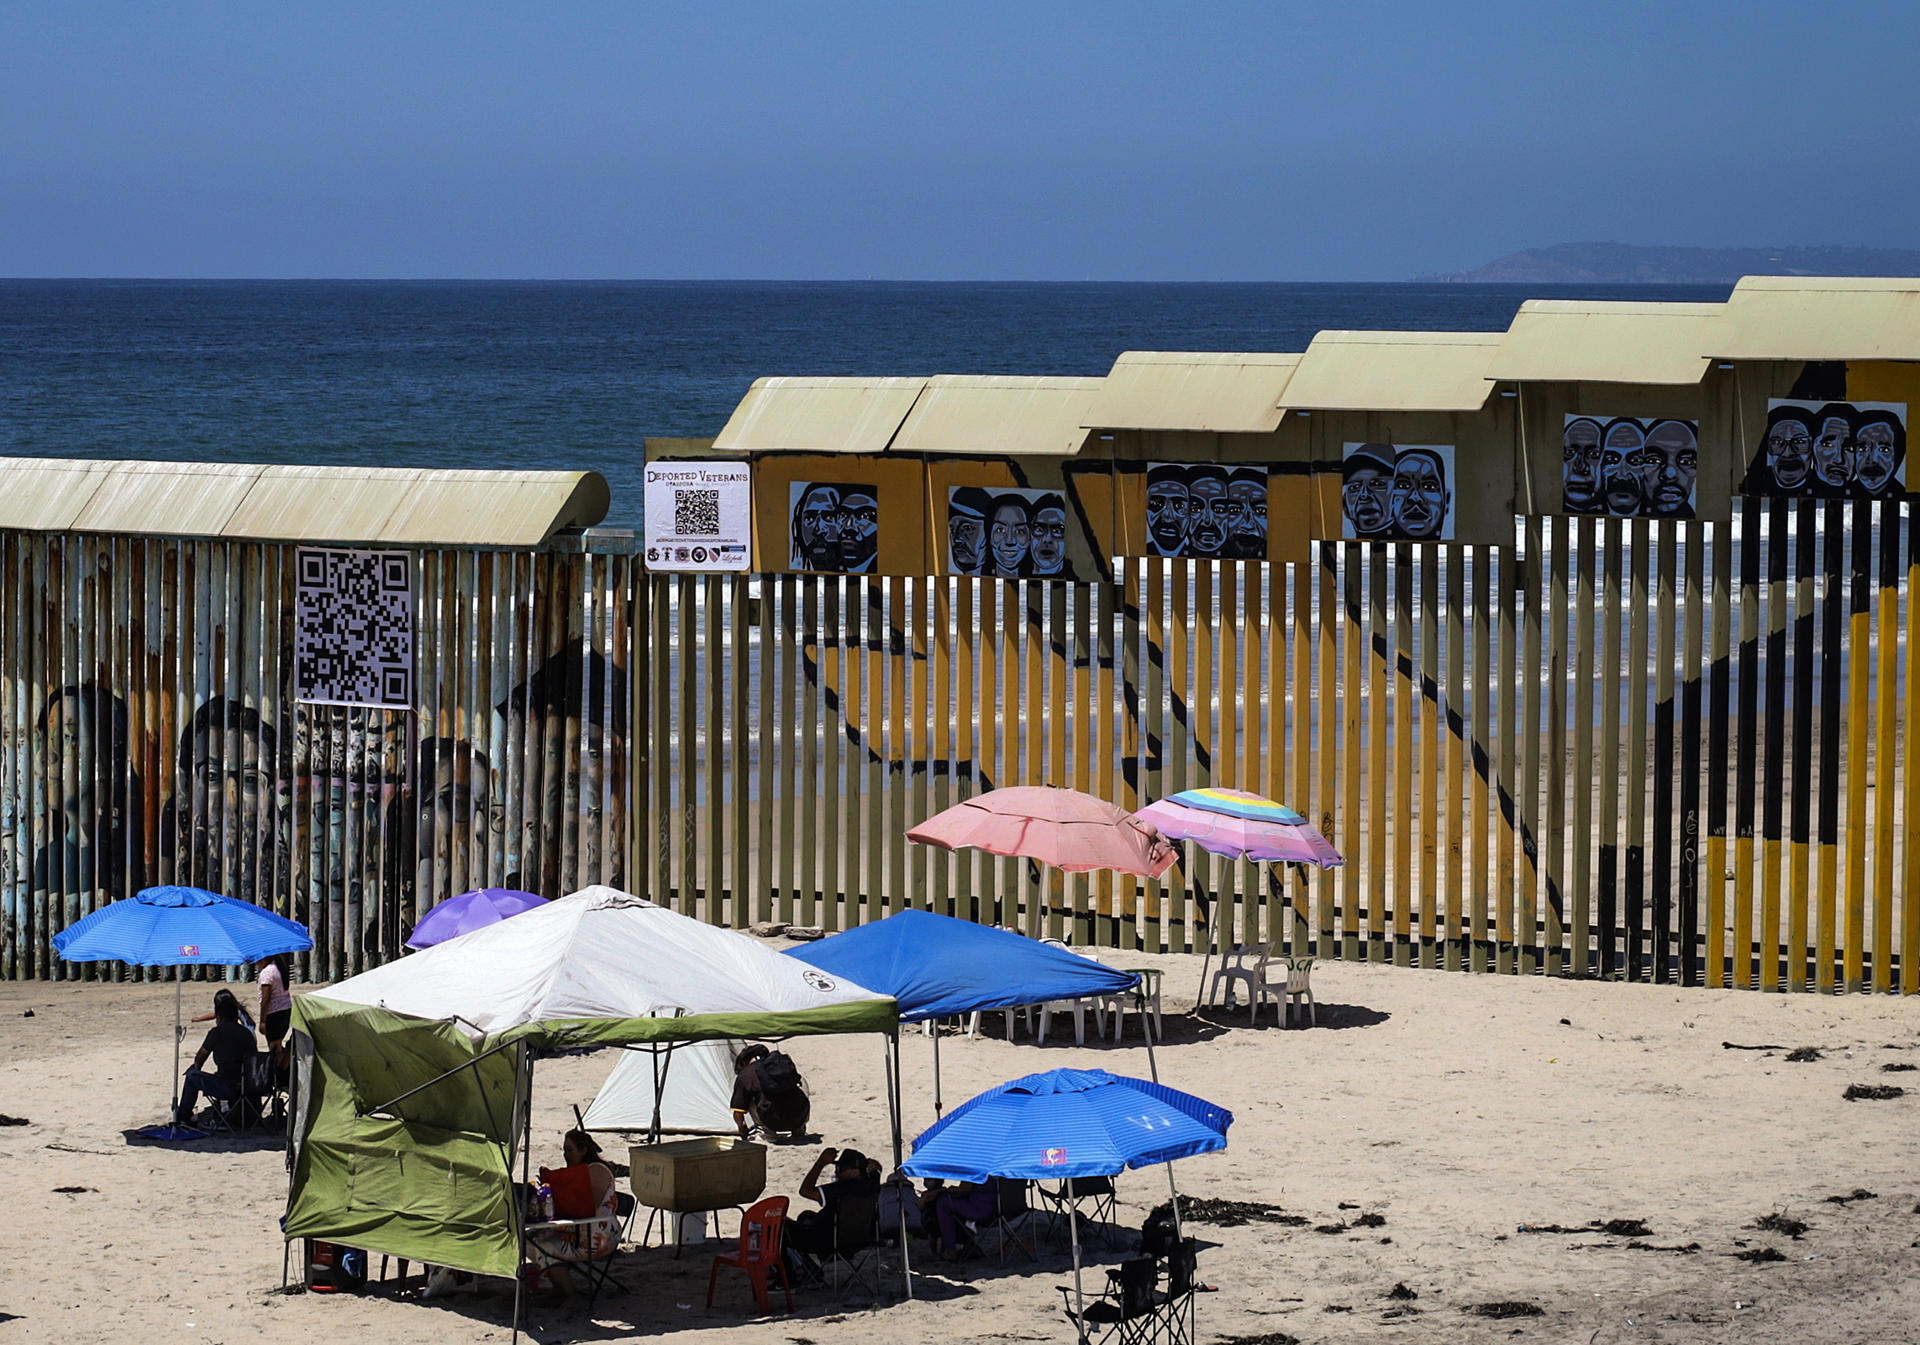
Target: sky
[{"x": 905, "y": 140}]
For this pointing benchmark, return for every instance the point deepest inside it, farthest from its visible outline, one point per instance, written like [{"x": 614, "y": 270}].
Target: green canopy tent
[{"x": 413, "y": 1081}]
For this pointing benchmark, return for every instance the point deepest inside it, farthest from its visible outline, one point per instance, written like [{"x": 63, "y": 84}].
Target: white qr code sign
[
  {"x": 699, "y": 515},
  {"x": 353, "y": 641}
]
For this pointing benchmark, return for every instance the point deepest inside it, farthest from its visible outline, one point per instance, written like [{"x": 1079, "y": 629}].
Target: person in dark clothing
[
  {"x": 854, "y": 1174},
  {"x": 779, "y": 1112},
  {"x": 231, "y": 1047}
]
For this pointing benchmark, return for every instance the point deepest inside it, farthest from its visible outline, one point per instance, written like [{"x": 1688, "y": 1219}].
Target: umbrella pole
[
  {"x": 1079, "y": 1295},
  {"x": 1147, "y": 1022},
  {"x": 894, "y": 1108},
  {"x": 173, "y": 1107},
  {"x": 937, "y": 1108}
]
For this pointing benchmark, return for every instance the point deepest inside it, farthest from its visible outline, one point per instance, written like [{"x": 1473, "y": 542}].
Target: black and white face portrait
[
  {"x": 1397, "y": 494},
  {"x": 967, "y": 508},
  {"x": 1620, "y": 484},
  {"x": 1580, "y": 459},
  {"x": 1421, "y": 500},
  {"x": 1206, "y": 511},
  {"x": 859, "y": 529},
  {"x": 1628, "y": 467},
  {"x": 1007, "y": 533},
  {"x": 836, "y": 527},
  {"x": 1247, "y": 513},
  {"x": 1168, "y": 504},
  {"x": 1831, "y": 450},
  {"x": 1047, "y": 551},
  {"x": 1669, "y": 465},
  {"x": 1879, "y": 450},
  {"x": 1366, "y": 491}
]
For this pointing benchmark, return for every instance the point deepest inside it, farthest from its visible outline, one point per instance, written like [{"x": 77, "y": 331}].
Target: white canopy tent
[
  {"x": 688, "y": 1092},
  {"x": 435, "y": 1052}
]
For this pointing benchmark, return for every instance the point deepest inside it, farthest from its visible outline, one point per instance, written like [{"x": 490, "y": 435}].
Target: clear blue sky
[{"x": 978, "y": 140}]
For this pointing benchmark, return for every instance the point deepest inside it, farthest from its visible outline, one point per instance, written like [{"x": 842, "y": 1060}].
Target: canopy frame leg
[
  {"x": 894, "y": 1110},
  {"x": 523, "y": 1129}
]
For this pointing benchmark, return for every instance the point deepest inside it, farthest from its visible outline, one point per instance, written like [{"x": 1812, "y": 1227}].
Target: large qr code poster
[
  {"x": 353, "y": 644},
  {"x": 699, "y": 515}
]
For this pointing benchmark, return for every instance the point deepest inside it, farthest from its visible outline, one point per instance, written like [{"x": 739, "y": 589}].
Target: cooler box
[{"x": 710, "y": 1173}]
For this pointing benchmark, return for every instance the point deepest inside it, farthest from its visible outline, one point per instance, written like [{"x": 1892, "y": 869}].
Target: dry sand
[{"x": 1455, "y": 1108}]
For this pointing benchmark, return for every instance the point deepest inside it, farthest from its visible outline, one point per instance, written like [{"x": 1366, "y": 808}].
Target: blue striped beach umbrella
[
  {"x": 180, "y": 927},
  {"x": 1069, "y": 1123}
]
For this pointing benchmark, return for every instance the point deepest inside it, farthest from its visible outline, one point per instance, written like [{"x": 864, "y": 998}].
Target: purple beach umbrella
[{"x": 470, "y": 911}]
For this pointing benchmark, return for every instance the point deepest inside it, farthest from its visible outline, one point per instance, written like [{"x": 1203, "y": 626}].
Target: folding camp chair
[
  {"x": 856, "y": 1245},
  {"x": 1011, "y": 1222},
  {"x": 1134, "y": 1310},
  {"x": 597, "y": 1269},
  {"x": 1098, "y": 1209}
]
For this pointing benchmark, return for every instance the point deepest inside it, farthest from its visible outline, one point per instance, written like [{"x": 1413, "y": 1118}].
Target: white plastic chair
[
  {"x": 1294, "y": 983},
  {"x": 1144, "y": 1001},
  {"x": 1078, "y": 1006},
  {"x": 1246, "y": 963}
]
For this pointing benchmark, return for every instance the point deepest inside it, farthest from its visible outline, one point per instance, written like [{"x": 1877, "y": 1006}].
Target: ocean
[{"x": 578, "y": 375}]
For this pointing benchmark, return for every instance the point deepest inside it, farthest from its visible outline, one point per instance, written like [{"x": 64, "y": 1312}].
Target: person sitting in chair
[
  {"x": 550, "y": 1250},
  {"x": 946, "y": 1205},
  {"x": 768, "y": 1095},
  {"x": 231, "y": 1047},
  {"x": 854, "y": 1174}
]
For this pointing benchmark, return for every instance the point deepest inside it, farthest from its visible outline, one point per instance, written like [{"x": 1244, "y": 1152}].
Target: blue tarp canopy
[{"x": 936, "y": 967}]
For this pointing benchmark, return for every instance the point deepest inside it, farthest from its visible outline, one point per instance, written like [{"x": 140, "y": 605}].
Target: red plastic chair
[{"x": 760, "y": 1252}]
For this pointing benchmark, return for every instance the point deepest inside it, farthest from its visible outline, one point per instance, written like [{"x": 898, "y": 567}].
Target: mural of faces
[
  {"x": 1403, "y": 494},
  {"x": 1207, "y": 511},
  {"x": 351, "y": 764},
  {"x": 1629, "y": 468},
  {"x": 91, "y": 830},
  {"x": 1007, "y": 533},
  {"x": 580, "y": 695},
  {"x": 230, "y": 782},
  {"x": 1831, "y": 450},
  {"x": 836, "y": 527}
]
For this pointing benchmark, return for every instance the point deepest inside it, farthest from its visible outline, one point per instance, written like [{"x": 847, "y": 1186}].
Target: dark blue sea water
[{"x": 578, "y": 375}]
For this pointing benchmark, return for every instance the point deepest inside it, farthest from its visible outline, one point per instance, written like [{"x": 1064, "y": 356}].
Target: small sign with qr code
[
  {"x": 699, "y": 515},
  {"x": 353, "y": 641}
]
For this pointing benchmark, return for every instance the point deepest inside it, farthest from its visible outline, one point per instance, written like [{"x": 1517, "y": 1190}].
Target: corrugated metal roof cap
[
  {"x": 1598, "y": 341},
  {"x": 1225, "y": 393},
  {"x": 1821, "y": 318},
  {"x": 999, "y": 414},
  {"x": 48, "y": 494},
  {"x": 250, "y": 501},
  {"x": 819, "y": 415},
  {"x": 1393, "y": 371}
]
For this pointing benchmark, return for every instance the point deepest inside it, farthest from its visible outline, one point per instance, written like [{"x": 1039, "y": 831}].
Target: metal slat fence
[{"x": 1676, "y": 752}]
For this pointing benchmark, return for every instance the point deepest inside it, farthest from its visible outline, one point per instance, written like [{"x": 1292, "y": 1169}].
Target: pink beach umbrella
[
  {"x": 1072, "y": 831},
  {"x": 1240, "y": 825}
]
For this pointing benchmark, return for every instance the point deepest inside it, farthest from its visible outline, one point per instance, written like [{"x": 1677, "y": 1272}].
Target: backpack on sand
[{"x": 779, "y": 1076}]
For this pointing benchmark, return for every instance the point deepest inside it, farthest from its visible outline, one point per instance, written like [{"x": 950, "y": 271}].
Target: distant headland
[{"x": 1626, "y": 264}]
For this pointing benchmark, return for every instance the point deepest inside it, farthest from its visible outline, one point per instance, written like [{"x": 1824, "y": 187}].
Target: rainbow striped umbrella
[{"x": 1240, "y": 825}]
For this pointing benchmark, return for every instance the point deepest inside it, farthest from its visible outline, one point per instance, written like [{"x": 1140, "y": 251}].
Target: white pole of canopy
[{"x": 894, "y": 1109}]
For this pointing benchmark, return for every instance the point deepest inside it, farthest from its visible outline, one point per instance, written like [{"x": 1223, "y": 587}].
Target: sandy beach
[{"x": 1414, "y": 1131}]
